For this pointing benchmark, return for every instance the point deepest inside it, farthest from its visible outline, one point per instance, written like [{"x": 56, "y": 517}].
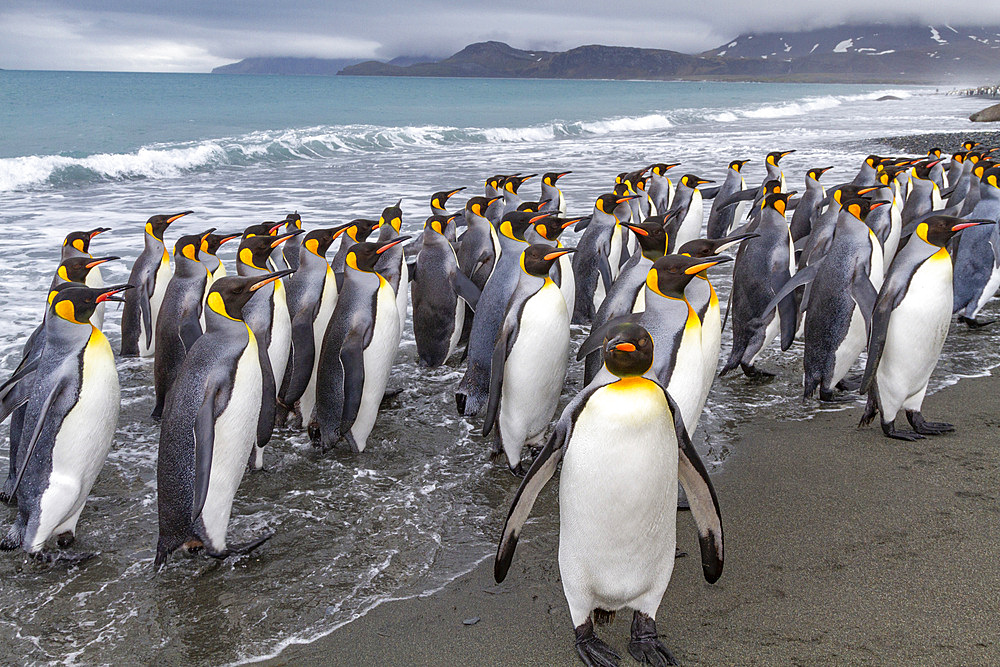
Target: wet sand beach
[{"x": 842, "y": 547}]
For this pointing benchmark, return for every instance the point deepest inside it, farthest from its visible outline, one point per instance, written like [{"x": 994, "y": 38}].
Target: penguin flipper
[
  {"x": 891, "y": 295},
  {"x": 582, "y": 224},
  {"x": 15, "y": 391},
  {"x": 864, "y": 294},
  {"x": 57, "y": 391},
  {"x": 148, "y": 286},
  {"x": 701, "y": 497},
  {"x": 352, "y": 357},
  {"x": 303, "y": 355},
  {"x": 190, "y": 331},
  {"x": 505, "y": 341},
  {"x": 604, "y": 267},
  {"x": 204, "y": 445},
  {"x": 733, "y": 199},
  {"x": 466, "y": 289}
]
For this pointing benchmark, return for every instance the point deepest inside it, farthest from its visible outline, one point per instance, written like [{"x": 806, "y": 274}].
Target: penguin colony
[{"x": 299, "y": 339}]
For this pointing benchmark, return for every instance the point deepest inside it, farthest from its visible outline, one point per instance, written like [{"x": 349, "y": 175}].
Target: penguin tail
[
  {"x": 871, "y": 409},
  {"x": 164, "y": 547},
  {"x": 809, "y": 385},
  {"x": 733, "y": 362},
  {"x": 12, "y": 540}
]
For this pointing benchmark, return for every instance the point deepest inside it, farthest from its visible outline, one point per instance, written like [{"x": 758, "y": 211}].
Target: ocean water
[{"x": 423, "y": 504}]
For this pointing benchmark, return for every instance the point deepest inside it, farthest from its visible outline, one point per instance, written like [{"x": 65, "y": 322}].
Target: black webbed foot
[
  {"x": 890, "y": 431},
  {"x": 972, "y": 323},
  {"x": 849, "y": 385},
  {"x": 920, "y": 425},
  {"x": 756, "y": 374},
  {"x": 243, "y": 549},
  {"x": 645, "y": 646},
  {"x": 832, "y": 397},
  {"x": 592, "y": 651}
]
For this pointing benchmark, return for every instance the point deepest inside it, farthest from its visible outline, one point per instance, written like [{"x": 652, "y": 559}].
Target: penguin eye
[{"x": 238, "y": 290}]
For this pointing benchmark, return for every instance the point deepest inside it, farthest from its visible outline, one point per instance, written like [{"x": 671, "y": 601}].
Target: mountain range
[{"x": 870, "y": 53}]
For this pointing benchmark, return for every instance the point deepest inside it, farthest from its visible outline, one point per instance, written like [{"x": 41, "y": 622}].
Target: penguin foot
[
  {"x": 390, "y": 394},
  {"x": 972, "y": 323},
  {"x": 66, "y": 539},
  {"x": 832, "y": 397},
  {"x": 756, "y": 374},
  {"x": 69, "y": 557},
  {"x": 314, "y": 434},
  {"x": 925, "y": 427},
  {"x": 519, "y": 471},
  {"x": 592, "y": 651},
  {"x": 6, "y": 496},
  {"x": 352, "y": 443},
  {"x": 849, "y": 385},
  {"x": 244, "y": 549},
  {"x": 644, "y": 646},
  {"x": 889, "y": 429}
]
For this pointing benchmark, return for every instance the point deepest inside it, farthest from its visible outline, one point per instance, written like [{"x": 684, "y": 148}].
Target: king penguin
[
  {"x": 209, "y": 426},
  {"x": 77, "y": 244},
  {"x": 661, "y": 188},
  {"x": 551, "y": 194},
  {"x": 150, "y": 275},
  {"x": 358, "y": 231},
  {"x": 392, "y": 261},
  {"x": 688, "y": 211},
  {"x": 290, "y": 250},
  {"x": 358, "y": 350},
  {"x": 547, "y": 229},
  {"x": 810, "y": 204},
  {"x": 623, "y": 451},
  {"x": 908, "y": 329},
  {"x": 72, "y": 401},
  {"x": 721, "y": 218},
  {"x": 529, "y": 359},
  {"x": 599, "y": 255},
  {"x": 480, "y": 246},
  {"x": 977, "y": 255}
]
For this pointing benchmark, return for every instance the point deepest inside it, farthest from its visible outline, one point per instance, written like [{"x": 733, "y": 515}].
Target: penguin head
[
  {"x": 190, "y": 246},
  {"x": 157, "y": 224},
  {"x": 692, "y": 181},
  {"x": 550, "y": 225},
  {"x": 293, "y": 221},
  {"x": 889, "y": 173},
  {"x": 817, "y": 172},
  {"x": 76, "y": 303},
  {"x": 702, "y": 248},
  {"x": 76, "y": 269},
  {"x": 532, "y": 206},
  {"x": 255, "y": 250},
  {"x": 318, "y": 241},
  {"x": 551, "y": 177},
  {"x": 671, "y": 273},
  {"x": 973, "y": 156},
  {"x": 632, "y": 178},
  {"x": 774, "y": 157},
  {"x": 228, "y": 295},
  {"x": 392, "y": 215},
  {"x": 922, "y": 170},
  {"x": 958, "y": 157},
  {"x": 439, "y": 200},
  {"x": 80, "y": 241},
  {"x": 495, "y": 183},
  {"x": 437, "y": 223},
  {"x": 991, "y": 177},
  {"x": 478, "y": 205},
  {"x": 737, "y": 165},
  {"x": 661, "y": 168},
  {"x": 859, "y": 207},
  {"x": 652, "y": 236},
  {"x": 537, "y": 259},
  {"x": 772, "y": 187},
  {"x": 515, "y": 224},
  {"x": 512, "y": 183},
  {"x": 211, "y": 243},
  {"x": 262, "y": 229},
  {"x": 967, "y": 145},
  {"x": 364, "y": 256},
  {"x": 872, "y": 160},
  {"x": 778, "y": 201},
  {"x": 622, "y": 189},
  {"x": 628, "y": 350},
  {"x": 938, "y": 229},
  {"x": 934, "y": 152},
  {"x": 360, "y": 229}
]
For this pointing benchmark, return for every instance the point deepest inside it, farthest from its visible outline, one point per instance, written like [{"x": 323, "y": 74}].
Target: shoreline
[{"x": 842, "y": 545}]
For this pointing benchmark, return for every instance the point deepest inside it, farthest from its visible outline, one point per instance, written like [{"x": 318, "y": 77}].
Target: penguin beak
[
  {"x": 535, "y": 219},
  {"x": 109, "y": 294},
  {"x": 552, "y": 256},
  {"x": 337, "y": 231},
  {"x": 270, "y": 278},
  {"x": 638, "y": 230},
  {"x": 784, "y": 153},
  {"x": 864, "y": 191},
  {"x": 391, "y": 243},
  {"x": 734, "y": 240},
  {"x": 284, "y": 237},
  {"x": 274, "y": 230},
  {"x": 99, "y": 261},
  {"x": 99, "y": 230},
  {"x": 877, "y": 204},
  {"x": 493, "y": 201},
  {"x": 965, "y": 225},
  {"x": 627, "y": 198},
  {"x": 229, "y": 238},
  {"x": 178, "y": 216},
  {"x": 698, "y": 268},
  {"x": 453, "y": 193},
  {"x": 702, "y": 181},
  {"x": 206, "y": 234},
  {"x": 625, "y": 347},
  {"x": 564, "y": 173},
  {"x": 825, "y": 169}
]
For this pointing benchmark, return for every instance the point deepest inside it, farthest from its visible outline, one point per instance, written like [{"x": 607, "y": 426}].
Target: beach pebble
[{"x": 471, "y": 621}]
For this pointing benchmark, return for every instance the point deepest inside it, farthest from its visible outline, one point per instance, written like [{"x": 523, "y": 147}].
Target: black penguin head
[
  {"x": 262, "y": 229},
  {"x": 532, "y": 206},
  {"x": 772, "y": 187},
  {"x": 938, "y": 229},
  {"x": 478, "y": 205},
  {"x": 293, "y": 221},
  {"x": 608, "y": 203},
  {"x": 628, "y": 350},
  {"x": 652, "y": 236},
  {"x": 889, "y": 173},
  {"x": 621, "y": 188},
  {"x": 991, "y": 177},
  {"x": 228, "y": 295},
  {"x": 515, "y": 224},
  {"x": 958, "y": 157},
  {"x": 550, "y": 225},
  {"x": 860, "y": 207},
  {"x": 360, "y": 229},
  {"x": 702, "y": 248},
  {"x": 692, "y": 181},
  {"x": 512, "y": 183},
  {"x": 774, "y": 157},
  {"x": 157, "y": 224},
  {"x": 661, "y": 168},
  {"x": 76, "y": 303},
  {"x": 392, "y": 215},
  {"x": 817, "y": 172},
  {"x": 778, "y": 201},
  {"x": 974, "y": 156},
  {"x": 254, "y": 250},
  {"x": 76, "y": 269},
  {"x": 211, "y": 243},
  {"x": 439, "y": 200},
  {"x": 968, "y": 145},
  {"x": 934, "y": 152},
  {"x": 80, "y": 241},
  {"x": 190, "y": 245},
  {"x": 496, "y": 182},
  {"x": 537, "y": 259},
  {"x": 872, "y": 160},
  {"x": 671, "y": 273},
  {"x": 437, "y": 223},
  {"x": 922, "y": 170},
  {"x": 737, "y": 165},
  {"x": 551, "y": 177},
  {"x": 318, "y": 241},
  {"x": 364, "y": 256}
]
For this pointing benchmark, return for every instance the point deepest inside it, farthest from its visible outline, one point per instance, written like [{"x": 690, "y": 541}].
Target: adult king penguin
[
  {"x": 150, "y": 275},
  {"x": 977, "y": 255},
  {"x": 908, "y": 329},
  {"x": 721, "y": 217},
  {"x": 72, "y": 400},
  {"x": 623, "y": 451},
  {"x": 209, "y": 426},
  {"x": 601, "y": 252},
  {"x": 392, "y": 261},
  {"x": 688, "y": 211},
  {"x": 358, "y": 350},
  {"x": 529, "y": 360},
  {"x": 551, "y": 194}
]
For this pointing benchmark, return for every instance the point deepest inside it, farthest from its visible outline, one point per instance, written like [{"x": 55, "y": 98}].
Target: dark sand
[{"x": 843, "y": 547}]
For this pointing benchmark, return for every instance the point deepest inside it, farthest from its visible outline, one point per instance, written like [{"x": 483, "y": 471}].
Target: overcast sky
[{"x": 197, "y": 35}]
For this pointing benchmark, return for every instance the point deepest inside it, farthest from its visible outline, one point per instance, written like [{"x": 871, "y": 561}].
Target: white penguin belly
[
  {"x": 163, "y": 272},
  {"x": 711, "y": 342},
  {"x": 567, "y": 282},
  {"x": 456, "y": 333},
  {"x": 686, "y": 379},
  {"x": 615, "y": 254},
  {"x": 281, "y": 334},
  {"x": 95, "y": 279},
  {"x": 534, "y": 372},
  {"x": 618, "y": 502},
  {"x": 235, "y": 435},
  {"x": 915, "y": 336},
  {"x": 402, "y": 295},
  {"x": 992, "y": 285},
  {"x": 690, "y": 227},
  {"x": 328, "y": 302},
  {"x": 851, "y": 347},
  {"x": 378, "y": 358},
  {"x": 81, "y": 445}
]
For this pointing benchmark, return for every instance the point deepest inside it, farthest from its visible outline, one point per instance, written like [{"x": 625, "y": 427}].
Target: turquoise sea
[{"x": 422, "y": 504}]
